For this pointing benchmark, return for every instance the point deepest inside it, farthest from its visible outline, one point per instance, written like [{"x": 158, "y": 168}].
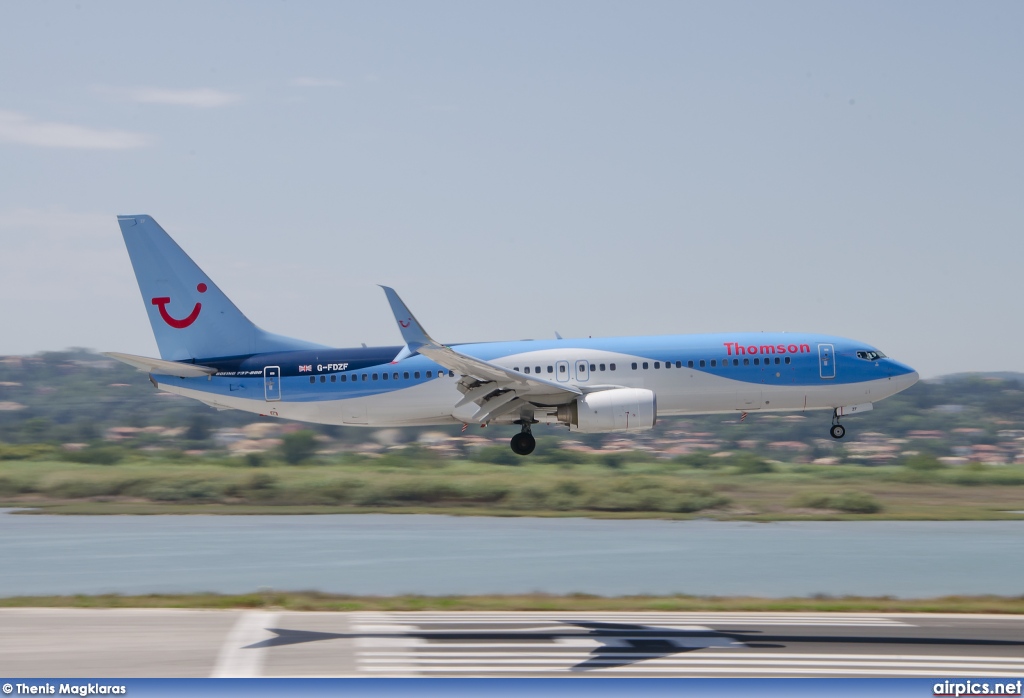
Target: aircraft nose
[{"x": 905, "y": 379}]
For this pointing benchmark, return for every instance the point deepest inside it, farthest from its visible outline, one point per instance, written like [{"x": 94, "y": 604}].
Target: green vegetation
[
  {"x": 316, "y": 601},
  {"x": 415, "y": 480},
  {"x": 852, "y": 502}
]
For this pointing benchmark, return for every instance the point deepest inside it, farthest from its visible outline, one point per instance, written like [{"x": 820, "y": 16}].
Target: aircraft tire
[
  {"x": 523, "y": 444},
  {"x": 838, "y": 431}
]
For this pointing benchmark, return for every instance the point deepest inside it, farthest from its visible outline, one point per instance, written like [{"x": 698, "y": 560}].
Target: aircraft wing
[
  {"x": 161, "y": 367},
  {"x": 417, "y": 340}
]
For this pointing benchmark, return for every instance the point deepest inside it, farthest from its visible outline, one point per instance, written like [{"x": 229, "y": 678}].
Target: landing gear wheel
[
  {"x": 523, "y": 444},
  {"x": 838, "y": 431}
]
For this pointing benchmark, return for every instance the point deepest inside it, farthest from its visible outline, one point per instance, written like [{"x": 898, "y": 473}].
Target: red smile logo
[{"x": 161, "y": 303}]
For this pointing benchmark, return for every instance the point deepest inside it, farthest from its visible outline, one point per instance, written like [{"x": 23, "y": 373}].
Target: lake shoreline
[
  {"x": 31, "y": 507},
  {"x": 317, "y": 601}
]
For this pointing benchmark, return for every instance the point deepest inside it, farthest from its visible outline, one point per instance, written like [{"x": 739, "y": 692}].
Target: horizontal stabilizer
[{"x": 161, "y": 367}]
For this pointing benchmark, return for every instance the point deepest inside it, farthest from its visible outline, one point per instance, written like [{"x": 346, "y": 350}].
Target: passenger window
[
  {"x": 787, "y": 359},
  {"x": 757, "y": 362},
  {"x": 593, "y": 367},
  {"x": 645, "y": 365},
  {"x": 405, "y": 375},
  {"x": 536, "y": 369},
  {"x": 714, "y": 362},
  {"x": 430, "y": 374},
  {"x": 735, "y": 362},
  {"x": 679, "y": 364},
  {"x": 383, "y": 376},
  {"x": 634, "y": 365},
  {"x": 602, "y": 367},
  {"x": 611, "y": 367},
  {"x": 552, "y": 370},
  {"x": 776, "y": 361},
  {"x": 323, "y": 379},
  {"x": 416, "y": 374},
  {"x": 451, "y": 374},
  {"x": 657, "y": 364},
  {"x": 344, "y": 378},
  {"x": 702, "y": 363},
  {"x": 334, "y": 378},
  {"x": 689, "y": 364},
  {"x": 668, "y": 364},
  {"x": 375, "y": 376},
  {"x": 312, "y": 379},
  {"x": 746, "y": 362},
  {"x": 364, "y": 377},
  {"x": 527, "y": 369},
  {"x": 561, "y": 369},
  {"x": 516, "y": 368}
]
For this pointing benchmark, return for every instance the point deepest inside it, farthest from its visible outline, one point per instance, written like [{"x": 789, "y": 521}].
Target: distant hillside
[{"x": 993, "y": 375}]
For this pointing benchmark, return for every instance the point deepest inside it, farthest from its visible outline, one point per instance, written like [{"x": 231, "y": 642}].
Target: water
[{"x": 394, "y": 554}]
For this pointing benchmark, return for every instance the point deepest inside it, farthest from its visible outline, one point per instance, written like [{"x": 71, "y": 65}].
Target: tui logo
[{"x": 161, "y": 304}]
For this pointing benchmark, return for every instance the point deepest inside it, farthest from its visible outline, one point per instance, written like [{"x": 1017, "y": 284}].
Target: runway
[{"x": 53, "y": 643}]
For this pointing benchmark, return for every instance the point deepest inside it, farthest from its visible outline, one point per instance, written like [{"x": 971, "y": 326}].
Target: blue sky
[{"x": 519, "y": 168}]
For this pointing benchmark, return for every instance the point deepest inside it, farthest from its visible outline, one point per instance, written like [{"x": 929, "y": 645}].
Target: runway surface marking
[
  {"x": 641, "y": 644},
  {"x": 236, "y": 659}
]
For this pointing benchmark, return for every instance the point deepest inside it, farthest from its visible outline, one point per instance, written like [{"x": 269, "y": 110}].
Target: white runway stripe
[{"x": 233, "y": 660}]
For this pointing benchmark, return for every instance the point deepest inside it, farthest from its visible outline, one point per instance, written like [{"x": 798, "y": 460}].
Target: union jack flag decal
[{"x": 307, "y": 367}]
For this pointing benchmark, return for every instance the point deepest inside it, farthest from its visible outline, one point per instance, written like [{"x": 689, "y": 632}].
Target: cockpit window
[{"x": 870, "y": 355}]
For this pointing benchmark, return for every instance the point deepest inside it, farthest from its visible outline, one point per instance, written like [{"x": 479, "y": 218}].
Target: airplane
[{"x": 213, "y": 353}]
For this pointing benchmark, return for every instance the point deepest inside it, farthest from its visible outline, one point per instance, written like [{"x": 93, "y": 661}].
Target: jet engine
[{"x": 621, "y": 409}]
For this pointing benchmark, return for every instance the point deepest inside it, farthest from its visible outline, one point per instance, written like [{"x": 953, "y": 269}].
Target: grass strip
[{"x": 318, "y": 601}]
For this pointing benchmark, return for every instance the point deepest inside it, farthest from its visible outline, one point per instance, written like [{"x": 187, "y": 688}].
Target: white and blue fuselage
[
  {"x": 211, "y": 352},
  {"x": 690, "y": 374}
]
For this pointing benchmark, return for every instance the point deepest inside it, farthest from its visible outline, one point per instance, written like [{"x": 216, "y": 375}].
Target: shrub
[
  {"x": 194, "y": 490},
  {"x": 97, "y": 454},
  {"x": 24, "y": 452},
  {"x": 255, "y": 460},
  {"x": 751, "y": 464},
  {"x": 297, "y": 447},
  {"x": 615, "y": 461},
  {"x": 260, "y": 481},
  {"x": 849, "y": 502},
  {"x": 699, "y": 459},
  {"x": 923, "y": 462},
  {"x": 498, "y": 455}
]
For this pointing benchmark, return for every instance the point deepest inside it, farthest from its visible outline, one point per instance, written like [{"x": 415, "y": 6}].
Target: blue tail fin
[{"x": 191, "y": 317}]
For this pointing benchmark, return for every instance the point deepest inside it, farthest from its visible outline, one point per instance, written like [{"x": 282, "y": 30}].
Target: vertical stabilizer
[{"x": 190, "y": 315}]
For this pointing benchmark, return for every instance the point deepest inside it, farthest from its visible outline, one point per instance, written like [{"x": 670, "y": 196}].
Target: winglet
[{"x": 412, "y": 331}]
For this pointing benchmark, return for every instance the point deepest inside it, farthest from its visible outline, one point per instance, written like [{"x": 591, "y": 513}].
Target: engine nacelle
[{"x": 621, "y": 409}]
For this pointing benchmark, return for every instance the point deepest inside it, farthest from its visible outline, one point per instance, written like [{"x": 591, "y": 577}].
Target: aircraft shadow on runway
[{"x": 622, "y": 644}]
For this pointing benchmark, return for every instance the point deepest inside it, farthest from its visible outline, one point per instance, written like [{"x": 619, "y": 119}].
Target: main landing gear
[
  {"x": 523, "y": 443},
  {"x": 837, "y": 431}
]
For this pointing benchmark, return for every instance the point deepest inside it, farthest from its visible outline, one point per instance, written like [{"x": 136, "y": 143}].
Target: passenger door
[
  {"x": 272, "y": 383},
  {"x": 826, "y": 361}
]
